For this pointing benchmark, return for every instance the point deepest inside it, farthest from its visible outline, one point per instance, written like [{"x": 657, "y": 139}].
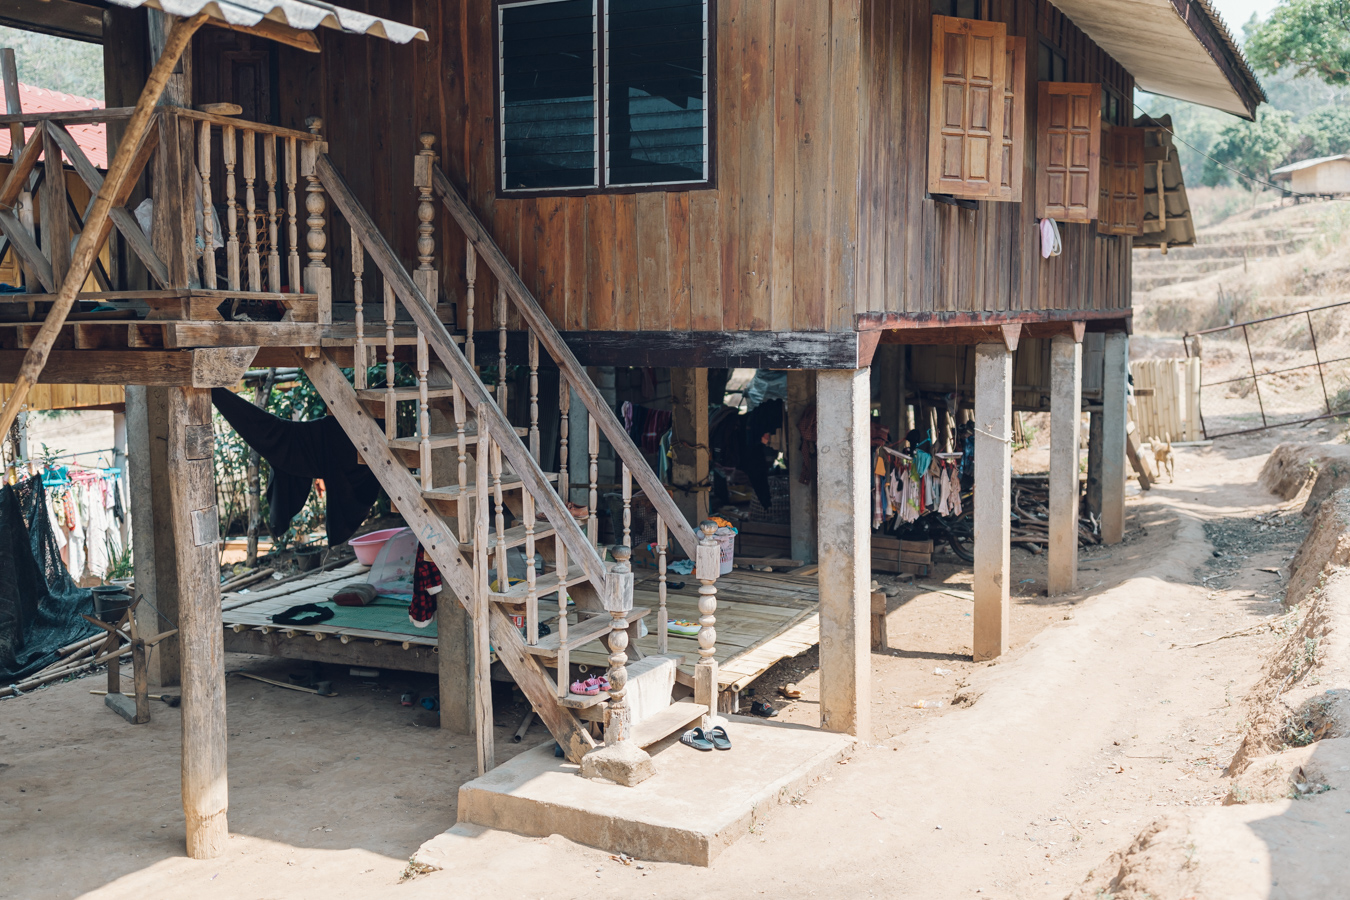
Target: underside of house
[{"x": 459, "y": 217}]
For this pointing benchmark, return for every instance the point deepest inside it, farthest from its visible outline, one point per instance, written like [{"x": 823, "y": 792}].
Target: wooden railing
[{"x": 214, "y": 179}]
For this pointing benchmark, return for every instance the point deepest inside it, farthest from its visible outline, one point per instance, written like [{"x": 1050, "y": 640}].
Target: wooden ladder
[{"x": 459, "y": 511}]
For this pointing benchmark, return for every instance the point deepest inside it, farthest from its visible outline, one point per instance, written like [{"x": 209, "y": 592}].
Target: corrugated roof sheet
[
  {"x": 303, "y": 15},
  {"x": 1308, "y": 164},
  {"x": 93, "y": 139}
]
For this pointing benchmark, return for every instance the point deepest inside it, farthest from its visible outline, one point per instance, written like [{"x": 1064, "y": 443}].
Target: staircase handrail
[
  {"x": 476, "y": 395},
  {"x": 548, "y": 335}
]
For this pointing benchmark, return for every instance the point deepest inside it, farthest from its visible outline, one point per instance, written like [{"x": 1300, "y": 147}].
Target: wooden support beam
[
  {"x": 98, "y": 222},
  {"x": 689, "y": 442},
  {"x": 54, "y": 207},
  {"x": 1066, "y": 401},
  {"x": 206, "y": 367},
  {"x": 1006, "y": 334},
  {"x": 801, "y": 396},
  {"x": 993, "y": 500},
  {"x": 195, "y": 522},
  {"x": 843, "y": 414}
]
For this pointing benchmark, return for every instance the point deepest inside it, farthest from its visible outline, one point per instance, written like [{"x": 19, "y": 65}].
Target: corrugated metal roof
[
  {"x": 303, "y": 15},
  {"x": 1307, "y": 164},
  {"x": 93, "y": 138}
]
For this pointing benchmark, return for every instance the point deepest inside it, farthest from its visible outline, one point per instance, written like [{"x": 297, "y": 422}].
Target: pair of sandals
[
  {"x": 591, "y": 686},
  {"x": 715, "y": 738}
]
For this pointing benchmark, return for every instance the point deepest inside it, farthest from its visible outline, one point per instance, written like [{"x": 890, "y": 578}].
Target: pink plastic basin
[{"x": 368, "y": 546}]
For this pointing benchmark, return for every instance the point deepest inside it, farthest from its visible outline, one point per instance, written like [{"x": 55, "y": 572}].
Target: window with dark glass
[{"x": 603, "y": 94}]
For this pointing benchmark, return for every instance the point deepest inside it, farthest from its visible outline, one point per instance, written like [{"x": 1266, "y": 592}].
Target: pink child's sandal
[{"x": 586, "y": 688}]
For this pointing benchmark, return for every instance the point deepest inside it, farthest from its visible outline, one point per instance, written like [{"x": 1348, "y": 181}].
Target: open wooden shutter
[
  {"x": 1068, "y": 151},
  {"x": 965, "y": 147},
  {"x": 1123, "y": 188},
  {"x": 1014, "y": 121}
]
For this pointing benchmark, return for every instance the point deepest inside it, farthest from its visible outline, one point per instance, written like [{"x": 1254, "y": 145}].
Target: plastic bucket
[
  {"x": 110, "y": 602},
  {"x": 727, "y": 543},
  {"x": 368, "y": 546}
]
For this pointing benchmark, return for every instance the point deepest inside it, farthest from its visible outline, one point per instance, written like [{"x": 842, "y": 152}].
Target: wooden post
[
  {"x": 1066, "y": 401},
  {"x": 13, "y": 106},
  {"x": 318, "y": 277},
  {"x": 54, "y": 208},
  {"x": 689, "y": 442},
  {"x": 993, "y": 510},
  {"x": 843, "y": 425},
  {"x": 97, "y": 223},
  {"x": 888, "y": 372},
  {"x": 482, "y": 674},
  {"x": 618, "y": 602},
  {"x": 801, "y": 394},
  {"x": 196, "y": 533},
  {"x": 425, "y": 273},
  {"x": 1114, "y": 381},
  {"x": 879, "y": 642}
]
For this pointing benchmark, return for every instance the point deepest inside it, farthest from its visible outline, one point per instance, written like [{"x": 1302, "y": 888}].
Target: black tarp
[{"x": 40, "y": 604}]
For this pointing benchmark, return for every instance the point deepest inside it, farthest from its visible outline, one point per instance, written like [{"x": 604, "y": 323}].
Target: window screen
[
  {"x": 603, "y": 93},
  {"x": 656, "y": 116},
  {"x": 548, "y": 95}
]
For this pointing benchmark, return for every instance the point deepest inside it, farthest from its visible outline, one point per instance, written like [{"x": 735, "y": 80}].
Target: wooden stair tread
[
  {"x": 583, "y": 701},
  {"x": 451, "y": 491},
  {"x": 665, "y": 723},
  {"x": 582, "y": 633},
  {"x": 405, "y": 393},
  {"x": 515, "y": 537},
  {"x": 544, "y": 584},
  {"x": 441, "y": 441}
]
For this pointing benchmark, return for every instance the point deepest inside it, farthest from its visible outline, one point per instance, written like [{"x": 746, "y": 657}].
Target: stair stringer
[{"x": 440, "y": 543}]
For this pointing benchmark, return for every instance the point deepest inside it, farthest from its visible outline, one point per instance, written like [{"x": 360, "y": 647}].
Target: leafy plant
[{"x": 1311, "y": 37}]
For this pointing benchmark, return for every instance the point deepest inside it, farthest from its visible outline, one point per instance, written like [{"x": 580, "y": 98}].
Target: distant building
[{"x": 1322, "y": 176}]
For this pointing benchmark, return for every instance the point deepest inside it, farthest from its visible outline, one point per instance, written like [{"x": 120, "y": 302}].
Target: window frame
[{"x": 600, "y": 9}]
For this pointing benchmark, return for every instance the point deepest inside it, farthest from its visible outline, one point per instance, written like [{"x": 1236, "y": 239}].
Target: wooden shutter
[
  {"x": 1123, "y": 189},
  {"x": 1014, "y": 122},
  {"x": 1068, "y": 151},
  {"x": 965, "y": 128}
]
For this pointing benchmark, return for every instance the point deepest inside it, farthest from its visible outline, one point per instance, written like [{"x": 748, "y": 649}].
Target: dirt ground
[{"x": 1099, "y": 720}]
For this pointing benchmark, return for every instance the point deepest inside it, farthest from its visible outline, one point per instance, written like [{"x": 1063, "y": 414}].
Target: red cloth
[{"x": 426, "y": 585}]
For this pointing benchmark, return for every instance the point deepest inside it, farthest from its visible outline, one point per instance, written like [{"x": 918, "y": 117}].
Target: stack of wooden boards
[{"x": 762, "y": 541}]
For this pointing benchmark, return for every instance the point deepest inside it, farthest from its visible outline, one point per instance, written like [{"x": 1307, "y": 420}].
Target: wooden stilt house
[{"x": 843, "y": 189}]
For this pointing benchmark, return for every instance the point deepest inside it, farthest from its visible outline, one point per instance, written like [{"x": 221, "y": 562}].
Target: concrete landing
[{"x": 696, "y": 805}]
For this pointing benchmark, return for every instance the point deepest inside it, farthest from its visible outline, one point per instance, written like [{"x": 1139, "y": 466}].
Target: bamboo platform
[{"x": 761, "y": 618}]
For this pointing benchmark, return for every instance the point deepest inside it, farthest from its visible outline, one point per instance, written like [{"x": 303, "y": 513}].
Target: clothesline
[{"x": 86, "y": 507}]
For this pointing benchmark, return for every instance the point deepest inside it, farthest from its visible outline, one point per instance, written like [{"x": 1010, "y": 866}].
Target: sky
[{"x": 1237, "y": 12}]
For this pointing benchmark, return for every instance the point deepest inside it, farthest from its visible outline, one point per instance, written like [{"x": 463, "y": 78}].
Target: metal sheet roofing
[
  {"x": 303, "y": 15},
  {"x": 1307, "y": 164},
  {"x": 92, "y": 138}
]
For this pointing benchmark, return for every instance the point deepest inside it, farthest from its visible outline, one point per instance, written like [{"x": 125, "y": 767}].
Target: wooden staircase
[{"x": 474, "y": 492}]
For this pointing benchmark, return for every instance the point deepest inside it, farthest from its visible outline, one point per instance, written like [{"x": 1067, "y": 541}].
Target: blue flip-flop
[
  {"x": 719, "y": 738},
  {"x": 695, "y": 738}
]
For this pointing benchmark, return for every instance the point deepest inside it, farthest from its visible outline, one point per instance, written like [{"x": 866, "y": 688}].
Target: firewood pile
[{"x": 1031, "y": 515}]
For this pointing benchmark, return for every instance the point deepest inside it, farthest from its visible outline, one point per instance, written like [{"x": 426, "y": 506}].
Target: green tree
[
  {"x": 1251, "y": 148},
  {"x": 1327, "y": 131},
  {"x": 1312, "y": 37}
]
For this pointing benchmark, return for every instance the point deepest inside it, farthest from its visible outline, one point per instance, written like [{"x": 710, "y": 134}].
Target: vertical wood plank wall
[{"x": 819, "y": 211}]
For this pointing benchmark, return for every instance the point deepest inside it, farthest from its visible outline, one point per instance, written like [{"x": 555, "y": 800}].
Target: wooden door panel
[
  {"x": 1068, "y": 151},
  {"x": 965, "y": 148}
]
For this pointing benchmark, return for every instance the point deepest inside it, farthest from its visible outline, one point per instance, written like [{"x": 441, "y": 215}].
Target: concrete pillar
[
  {"x": 1066, "y": 400},
  {"x": 153, "y": 560},
  {"x": 801, "y": 393},
  {"x": 843, "y": 427},
  {"x": 993, "y": 500},
  {"x": 689, "y": 441},
  {"x": 1114, "y": 381}
]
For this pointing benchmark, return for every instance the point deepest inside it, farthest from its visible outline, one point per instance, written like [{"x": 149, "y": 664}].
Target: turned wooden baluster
[
  {"x": 229, "y": 155},
  {"x": 531, "y": 597},
  {"x": 425, "y": 275},
  {"x": 390, "y": 398},
  {"x": 708, "y": 564},
  {"x": 662, "y": 629},
  {"x": 564, "y": 428},
  {"x": 208, "y": 220},
  {"x": 481, "y": 652},
  {"x": 501, "y": 349},
  {"x": 593, "y": 443},
  {"x": 470, "y": 276},
  {"x": 462, "y": 452},
  {"x": 534, "y": 395},
  {"x": 250, "y": 149},
  {"x": 360, "y": 357},
  {"x": 627, "y": 506},
  {"x": 564, "y": 655},
  {"x": 273, "y": 213},
  {"x": 618, "y": 603},
  {"x": 293, "y": 235},
  {"x": 423, "y": 412},
  {"x": 503, "y": 574},
  {"x": 317, "y": 275}
]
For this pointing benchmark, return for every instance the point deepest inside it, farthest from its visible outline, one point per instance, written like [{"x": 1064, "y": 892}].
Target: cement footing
[{"x": 694, "y": 807}]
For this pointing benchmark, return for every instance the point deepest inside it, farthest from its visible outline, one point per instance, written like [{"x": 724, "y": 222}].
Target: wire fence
[{"x": 1280, "y": 370}]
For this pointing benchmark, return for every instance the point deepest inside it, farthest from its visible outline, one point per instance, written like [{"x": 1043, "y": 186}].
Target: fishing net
[{"x": 40, "y": 604}]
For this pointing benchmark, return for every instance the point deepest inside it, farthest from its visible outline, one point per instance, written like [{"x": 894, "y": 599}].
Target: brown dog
[{"x": 1162, "y": 452}]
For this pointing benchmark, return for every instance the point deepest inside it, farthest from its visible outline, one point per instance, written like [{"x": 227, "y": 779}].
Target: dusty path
[{"x": 1074, "y": 742}]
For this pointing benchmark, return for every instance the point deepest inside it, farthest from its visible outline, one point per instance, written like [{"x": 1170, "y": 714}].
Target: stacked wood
[
  {"x": 896, "y": 556},
  {"x": 78, "y": 658},
  {"x": 1031, "y": 509}
]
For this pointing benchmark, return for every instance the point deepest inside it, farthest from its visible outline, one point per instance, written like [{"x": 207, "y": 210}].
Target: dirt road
[{"x": 1071, "y": 744}]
